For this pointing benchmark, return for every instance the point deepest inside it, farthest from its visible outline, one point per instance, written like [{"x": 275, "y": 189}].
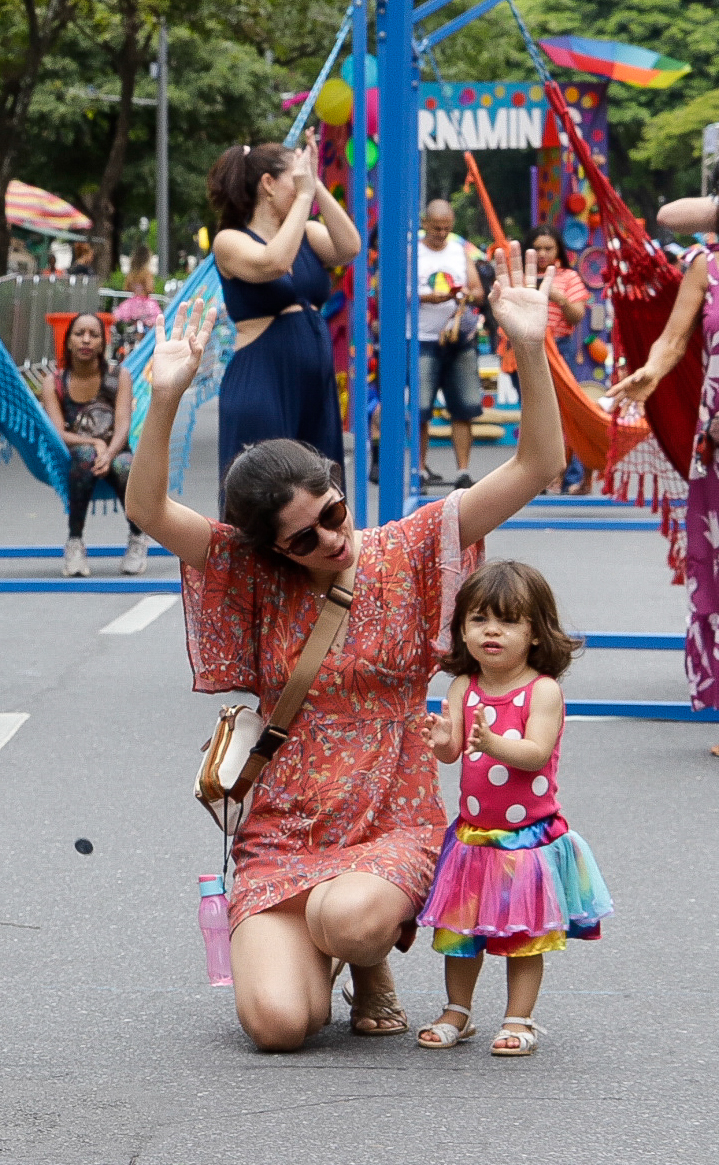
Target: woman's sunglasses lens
[
  {"x": 334, "y": 516},
  {"x": 330, "y": 519}
]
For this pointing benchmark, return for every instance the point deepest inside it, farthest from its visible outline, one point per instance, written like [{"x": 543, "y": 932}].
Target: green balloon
[{"x": 371, "y": 152}]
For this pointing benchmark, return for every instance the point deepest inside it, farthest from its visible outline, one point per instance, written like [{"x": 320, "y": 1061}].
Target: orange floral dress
[{"x": 354, "y": 787}]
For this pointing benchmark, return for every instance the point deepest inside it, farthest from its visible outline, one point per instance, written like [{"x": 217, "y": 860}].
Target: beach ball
[
  {"x": 334, "y": 102},
  {"x": 370, "y": 70},
  {"x": 371, "y": 153}
]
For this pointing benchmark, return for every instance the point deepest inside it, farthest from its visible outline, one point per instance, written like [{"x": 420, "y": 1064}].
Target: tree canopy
[{"x": 76, "y": 91}]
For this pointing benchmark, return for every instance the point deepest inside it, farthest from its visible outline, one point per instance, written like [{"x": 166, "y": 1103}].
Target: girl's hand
[
  {"x": 480, "y": 735},
  {"x": 437, "y": 731},
  {"x": 176, "y": 360},
  {"x": 520, "y": 308},
  {"x": 634, "y": 389}
]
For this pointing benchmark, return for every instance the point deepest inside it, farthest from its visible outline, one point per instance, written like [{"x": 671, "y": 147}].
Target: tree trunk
[{"x": 102, "y": 207}]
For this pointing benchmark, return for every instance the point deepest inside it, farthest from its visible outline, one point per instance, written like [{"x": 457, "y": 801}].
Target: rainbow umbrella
[
  {"x": 611, "y": 58},
  {"x": 36, "y": 209}
]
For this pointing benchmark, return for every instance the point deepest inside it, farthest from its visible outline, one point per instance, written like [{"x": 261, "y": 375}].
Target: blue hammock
[{"x": 25, "y": 425}]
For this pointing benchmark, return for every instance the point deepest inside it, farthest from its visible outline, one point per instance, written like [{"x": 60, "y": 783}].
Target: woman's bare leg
[
  {"x": 357, "y": 917},
  {"x": 282, "y": 980}
]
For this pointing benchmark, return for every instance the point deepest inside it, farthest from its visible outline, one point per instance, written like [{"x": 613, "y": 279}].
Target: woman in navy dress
[{"x": 272, "y": 260}]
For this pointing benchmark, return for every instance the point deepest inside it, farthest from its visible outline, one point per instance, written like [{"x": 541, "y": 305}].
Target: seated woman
[
  {"x": 141, "y": 283},
  {"x": 96, "y": 437},
  {"x": 336, "y": 855}
]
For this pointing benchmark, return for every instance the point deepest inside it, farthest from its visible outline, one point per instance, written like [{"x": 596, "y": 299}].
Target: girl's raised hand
[
  {"x": 437, "y": 731},
  {"x": 519, "y": 306},
  {"x": 176, "y": 358},
  {"x": 479, "y": 736}
]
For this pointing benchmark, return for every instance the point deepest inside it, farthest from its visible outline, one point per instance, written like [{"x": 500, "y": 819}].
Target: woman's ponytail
[{"x": 234, "y": 180}]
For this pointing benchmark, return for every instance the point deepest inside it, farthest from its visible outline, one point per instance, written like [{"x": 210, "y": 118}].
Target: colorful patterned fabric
[
  {"x": 702, "y": 521},
  {"x": 355, "y": 787},
  {"x": 491, "y": 792},
  {"x": 501, "y": 893}
]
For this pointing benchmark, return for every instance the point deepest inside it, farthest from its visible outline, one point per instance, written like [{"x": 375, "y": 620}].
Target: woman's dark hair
[
  {"x": 235, "y": 177},
  {"x": 535, "y": 233},
  {"x": 140, "y": 257},
  {"x": 512, "y": 591},
  {"x": 262, "y": 480},
  {"x": 66, "y": 358}
]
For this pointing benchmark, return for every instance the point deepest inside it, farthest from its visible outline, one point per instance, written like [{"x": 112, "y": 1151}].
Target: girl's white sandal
[
  {"x": 449, "y": 1035},
  {"x": 527, "y": 1040}
]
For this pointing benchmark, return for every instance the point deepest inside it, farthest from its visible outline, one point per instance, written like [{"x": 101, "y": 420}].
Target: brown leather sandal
[{"x": 376, "y": 1005}]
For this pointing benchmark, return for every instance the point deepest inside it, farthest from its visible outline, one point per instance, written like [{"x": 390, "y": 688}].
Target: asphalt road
[{"x": 115, "y": 1051}]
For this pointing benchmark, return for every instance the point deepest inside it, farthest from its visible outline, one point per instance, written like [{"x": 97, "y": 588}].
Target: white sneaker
[
  {"x": 74, "y": 561},
  {"x": 135, "y": 557}
]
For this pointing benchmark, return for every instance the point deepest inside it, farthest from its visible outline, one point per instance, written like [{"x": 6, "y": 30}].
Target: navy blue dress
[{"x": 283, "y": 383}]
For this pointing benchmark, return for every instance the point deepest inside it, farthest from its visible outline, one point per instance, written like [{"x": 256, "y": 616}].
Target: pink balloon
[{"x": 372, "y": 112}]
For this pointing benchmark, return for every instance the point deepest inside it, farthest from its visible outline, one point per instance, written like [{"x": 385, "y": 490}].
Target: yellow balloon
[
  {"x": 334, "y": 102},
  {"x": 203, "y": 239}
]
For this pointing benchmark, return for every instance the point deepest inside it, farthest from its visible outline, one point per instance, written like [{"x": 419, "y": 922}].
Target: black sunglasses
[{"x": 305, "y": 541}]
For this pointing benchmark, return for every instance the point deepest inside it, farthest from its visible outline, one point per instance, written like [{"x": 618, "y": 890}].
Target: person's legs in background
[
  {"x": 429, "y": 373},
  {"x": 81, "y": 486},
  {"x": 463, "y": 393},
  {"x": 135, "y": 557}
]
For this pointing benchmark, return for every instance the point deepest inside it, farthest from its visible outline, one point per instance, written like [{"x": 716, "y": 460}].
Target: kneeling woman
[
  {"x": 96, "y": 437},
  {"x": 337, "y": 853}
]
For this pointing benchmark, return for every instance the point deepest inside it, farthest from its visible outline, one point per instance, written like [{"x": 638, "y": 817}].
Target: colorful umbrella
[
  {"x": 35, "y": 209},
  {"x": 611, "y": 58}
]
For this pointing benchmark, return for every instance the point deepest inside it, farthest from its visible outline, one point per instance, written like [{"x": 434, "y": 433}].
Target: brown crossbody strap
[{"x": 275, "y": 732}]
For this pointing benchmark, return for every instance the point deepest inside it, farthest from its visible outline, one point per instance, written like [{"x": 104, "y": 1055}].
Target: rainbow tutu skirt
[{"x": 514, "y": 892}]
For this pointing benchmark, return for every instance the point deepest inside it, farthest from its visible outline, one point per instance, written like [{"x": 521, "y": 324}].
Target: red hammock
[
  {"x": 589, "y": 430},
  {"x": 643, "y": 287}
]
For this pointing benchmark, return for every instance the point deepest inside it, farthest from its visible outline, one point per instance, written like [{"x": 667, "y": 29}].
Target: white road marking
[
  {"x": 140, "y": 616},
  {"x": 9, "y": 724}
]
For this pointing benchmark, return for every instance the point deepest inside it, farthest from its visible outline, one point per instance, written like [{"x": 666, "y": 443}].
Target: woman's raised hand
[
  {"x": 176, "y": 358},
  {"x": 519, "y": 306},
  {"x": 304, "y": 166}
]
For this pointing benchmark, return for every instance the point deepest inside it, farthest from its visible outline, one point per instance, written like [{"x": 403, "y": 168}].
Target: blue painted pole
[
  {"x": 414, "y": 217},
  {"x": 359, "y": 301},
  {"x": 394, "y": 49}
]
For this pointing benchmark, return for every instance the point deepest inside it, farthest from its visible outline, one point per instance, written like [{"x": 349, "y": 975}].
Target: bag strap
[{"x": 334, "y": 609}]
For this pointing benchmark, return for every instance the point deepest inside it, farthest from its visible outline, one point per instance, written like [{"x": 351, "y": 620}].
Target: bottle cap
[{"x": 210, "y": 884}]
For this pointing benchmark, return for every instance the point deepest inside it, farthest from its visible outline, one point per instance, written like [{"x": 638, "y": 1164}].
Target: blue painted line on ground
[
  {"x": 628, "y": 709},
  {"x": 111, "y": 586},
  {"x": 577, "y": 524},
  {"x": 92, "y": 551},
  {"x": 635, "y": 641}
]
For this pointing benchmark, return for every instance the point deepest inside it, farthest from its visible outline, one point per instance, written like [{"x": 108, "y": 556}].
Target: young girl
[{"x": 511, "y": 879}]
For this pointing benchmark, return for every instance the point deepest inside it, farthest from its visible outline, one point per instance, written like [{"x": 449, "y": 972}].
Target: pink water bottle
[{"x": 215, "y": 929}]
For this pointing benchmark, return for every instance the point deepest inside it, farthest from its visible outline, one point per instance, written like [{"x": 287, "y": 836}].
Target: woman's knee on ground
[{"x": 277, "y": 1022}]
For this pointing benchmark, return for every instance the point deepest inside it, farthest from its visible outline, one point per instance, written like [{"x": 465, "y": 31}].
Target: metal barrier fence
[{"x": 24, "y": 302}]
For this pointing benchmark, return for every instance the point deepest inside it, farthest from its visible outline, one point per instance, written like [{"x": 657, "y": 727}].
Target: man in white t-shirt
[{"x": 446, "y": 277}]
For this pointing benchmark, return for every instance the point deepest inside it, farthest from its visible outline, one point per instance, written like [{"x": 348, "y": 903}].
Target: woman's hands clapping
[
  {"x": 177, "y": 358},
  {"x": 519, "y": 306}
]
